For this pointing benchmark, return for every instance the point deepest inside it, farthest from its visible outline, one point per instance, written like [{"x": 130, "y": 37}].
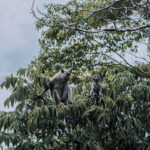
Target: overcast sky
[{"x": 18, "y": 37}]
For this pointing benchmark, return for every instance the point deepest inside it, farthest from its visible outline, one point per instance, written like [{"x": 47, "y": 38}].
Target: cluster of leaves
[{"x": 122, "y": 122}]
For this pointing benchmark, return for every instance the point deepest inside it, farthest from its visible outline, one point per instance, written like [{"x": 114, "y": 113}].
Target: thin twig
[
  {"x": 137, "y": 56},
  {"x": 33, "y": 12},
  {"x": 92, "y": 14}
]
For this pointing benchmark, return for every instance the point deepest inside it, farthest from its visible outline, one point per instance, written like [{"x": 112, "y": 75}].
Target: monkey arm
[
  {"x": 67, "y": 96},
  {"x": 56, "y": 97}
]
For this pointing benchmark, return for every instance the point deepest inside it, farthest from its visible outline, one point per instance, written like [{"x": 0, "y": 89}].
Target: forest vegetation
[{"x": 87, "y": 37}]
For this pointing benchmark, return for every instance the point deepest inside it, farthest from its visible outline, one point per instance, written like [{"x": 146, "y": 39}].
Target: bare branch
[
  {"x": 107, "y": 29},
  {"x": 33, "y": 12},
  {"x": 41, "y": 13},
  {"x": 138, "y": 57}
]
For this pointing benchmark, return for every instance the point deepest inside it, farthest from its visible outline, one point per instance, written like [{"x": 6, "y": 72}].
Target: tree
[{"x": 87, "y": 37}]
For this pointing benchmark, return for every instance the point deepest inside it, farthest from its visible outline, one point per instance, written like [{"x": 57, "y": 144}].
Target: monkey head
[
  {"x": 96, "y": 78},
  {"x": 65, "y": 74}
]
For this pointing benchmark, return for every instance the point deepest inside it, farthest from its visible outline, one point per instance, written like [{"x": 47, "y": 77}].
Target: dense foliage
[{"x": 87, "y": 37}]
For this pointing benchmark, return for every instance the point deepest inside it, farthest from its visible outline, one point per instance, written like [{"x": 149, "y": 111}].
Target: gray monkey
[
  {"x": 96, "y": 88},
  {"x": 59, "y": 87}
]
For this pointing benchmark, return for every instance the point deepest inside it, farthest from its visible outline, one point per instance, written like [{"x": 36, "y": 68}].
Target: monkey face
[
  {"x": 65, "y": 74},
  {"x": 96, "y": 78}
]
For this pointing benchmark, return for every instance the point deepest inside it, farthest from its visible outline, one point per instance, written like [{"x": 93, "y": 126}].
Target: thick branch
[{"x": 108, "y": 29}]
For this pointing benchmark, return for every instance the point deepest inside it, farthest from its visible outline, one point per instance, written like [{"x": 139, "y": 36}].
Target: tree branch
[
  {"x": 107, "y": 29},
  {"x": 93, "y": 13},
  {"x": 73, "y": 26},
  {"x": 33, "y": 12},
  {"x": 32, "y": 88},
  {"x": 131, "y": 66},
  {"x": 137, "y": 56}
]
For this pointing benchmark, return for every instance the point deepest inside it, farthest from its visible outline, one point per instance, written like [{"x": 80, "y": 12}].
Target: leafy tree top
[
  {"x": 120, "y": 25},
  {"x": 86, "y": 37}
]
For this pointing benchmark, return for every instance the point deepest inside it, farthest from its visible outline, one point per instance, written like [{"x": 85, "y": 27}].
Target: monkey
[
  {"x": 96, "y": 86},
  {"x": 59, "y": 87},
  {"x": 96, "y": 89}
]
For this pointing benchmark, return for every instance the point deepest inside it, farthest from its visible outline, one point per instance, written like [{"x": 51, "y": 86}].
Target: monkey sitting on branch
[
  {"x": 59, "y": 87},
  {"x": 96, "y": 90}
]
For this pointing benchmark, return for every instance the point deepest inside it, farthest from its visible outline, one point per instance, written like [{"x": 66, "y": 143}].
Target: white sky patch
[
  {"x": 18, "y": 37},
  {"x": 139, "y": 56},
  {"x": 4, "y": 94}
]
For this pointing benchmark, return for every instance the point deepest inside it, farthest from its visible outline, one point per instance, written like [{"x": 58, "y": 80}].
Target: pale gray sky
[{"x": 18, "y": 37}]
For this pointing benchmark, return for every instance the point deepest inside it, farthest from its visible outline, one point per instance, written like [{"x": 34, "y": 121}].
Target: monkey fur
[
  {"x": 97, "y": 89},
  {"x": 59, "y": 87}
]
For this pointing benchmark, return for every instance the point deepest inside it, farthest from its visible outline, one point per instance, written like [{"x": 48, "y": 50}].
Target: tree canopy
[{"x": 87, "y": 37}]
